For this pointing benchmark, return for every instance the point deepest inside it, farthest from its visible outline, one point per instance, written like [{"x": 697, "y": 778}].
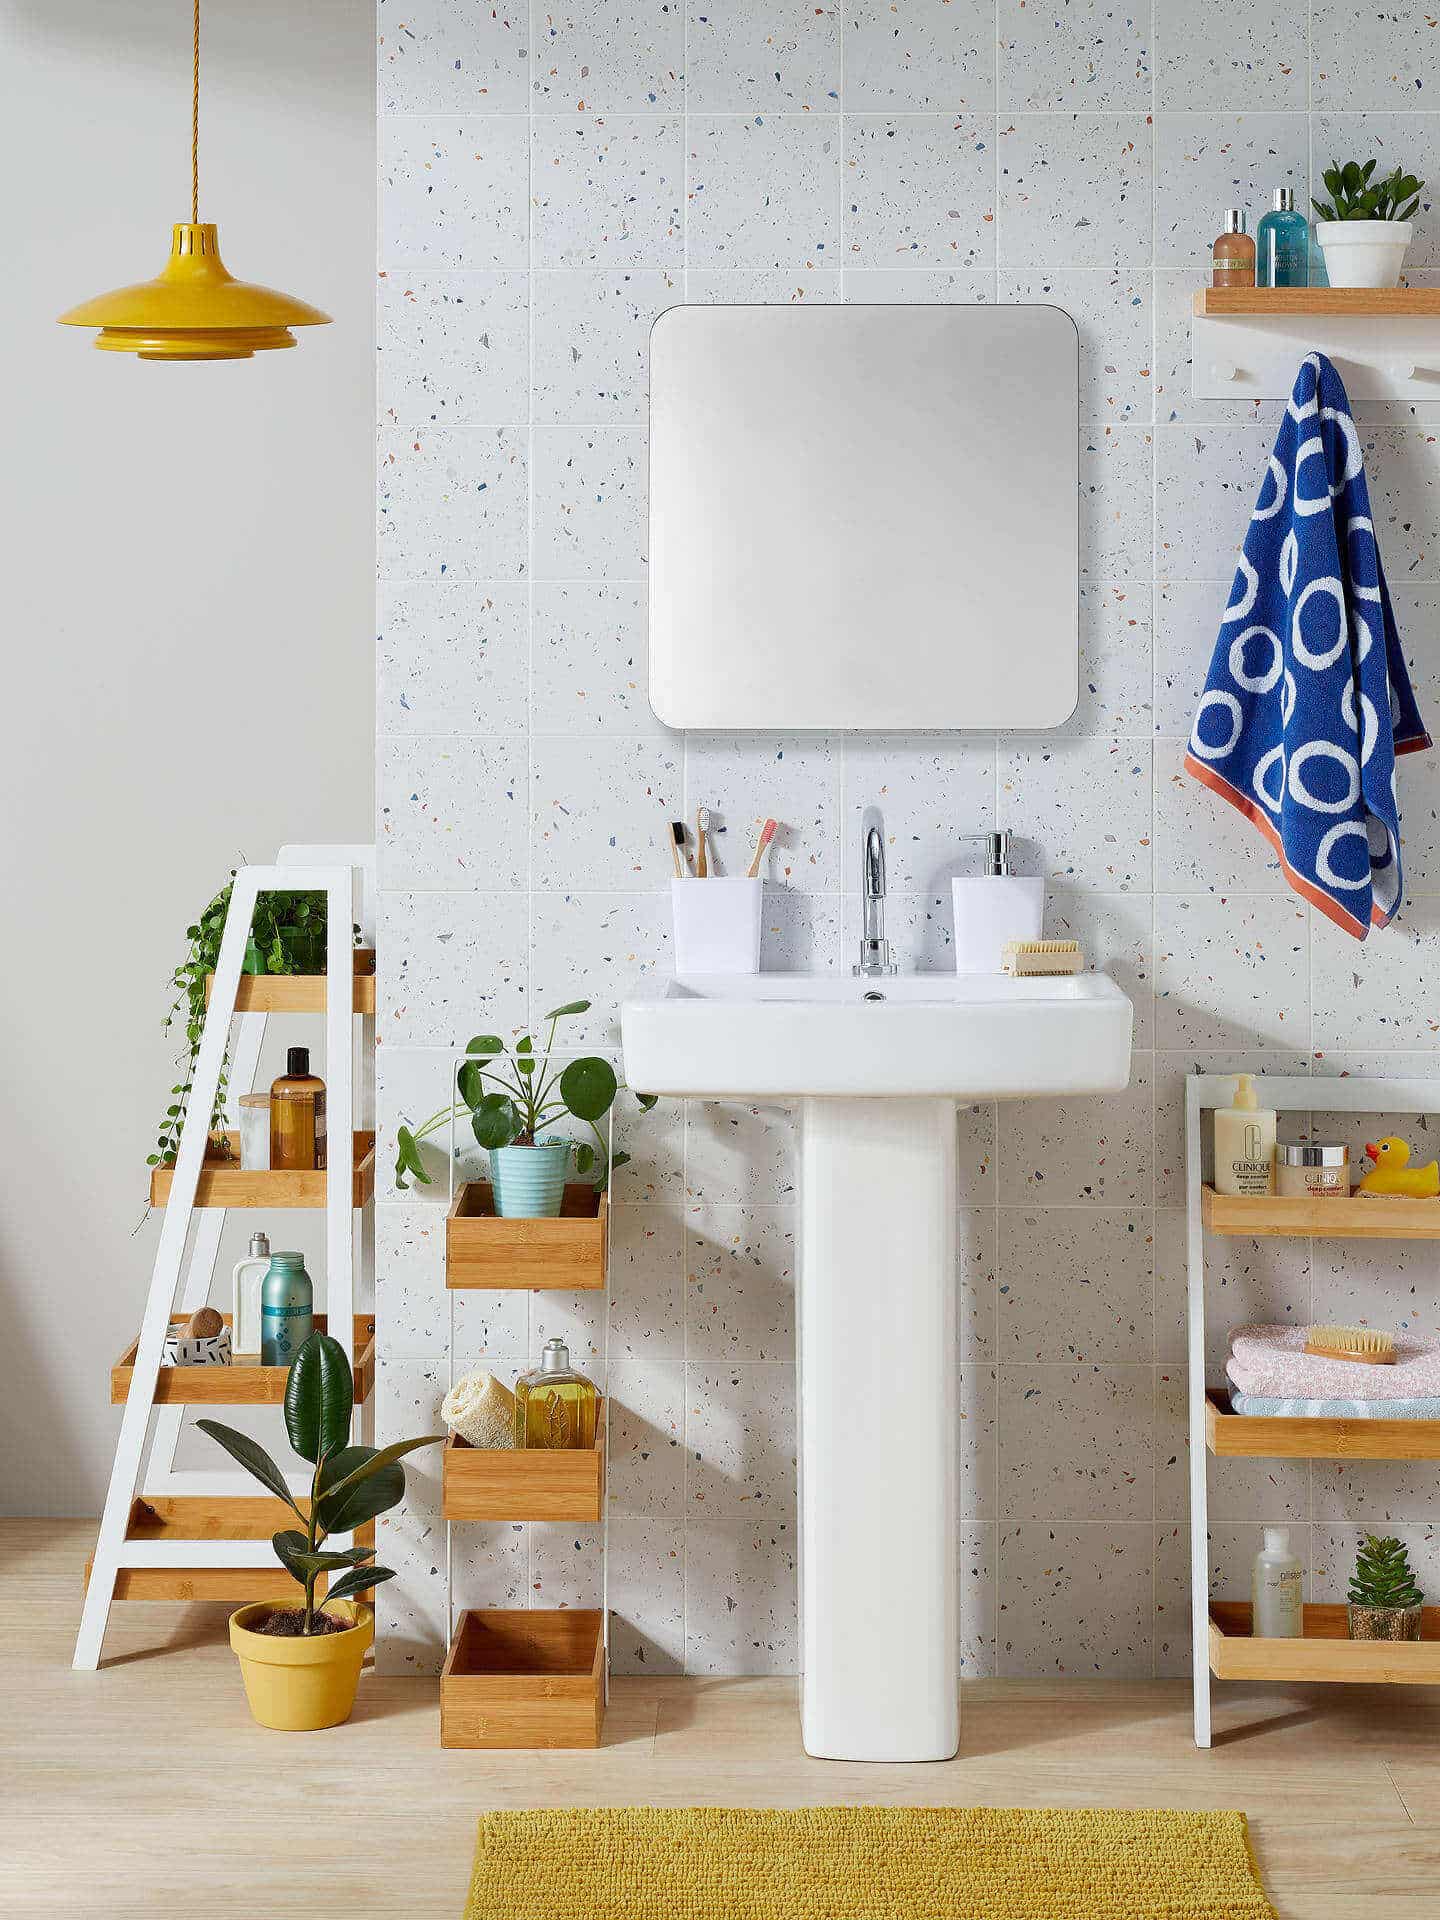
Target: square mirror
[{"x": 864, "y": 517}]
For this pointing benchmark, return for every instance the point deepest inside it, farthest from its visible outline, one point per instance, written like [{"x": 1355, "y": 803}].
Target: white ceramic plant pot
[{"x": 1363, "y": 253}]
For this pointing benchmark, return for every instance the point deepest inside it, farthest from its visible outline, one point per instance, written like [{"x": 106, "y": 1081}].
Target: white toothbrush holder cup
[{"x": 717, "y": 925}]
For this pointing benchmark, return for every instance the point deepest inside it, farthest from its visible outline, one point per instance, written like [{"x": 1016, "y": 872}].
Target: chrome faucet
[{"x": 874, "y": 947}]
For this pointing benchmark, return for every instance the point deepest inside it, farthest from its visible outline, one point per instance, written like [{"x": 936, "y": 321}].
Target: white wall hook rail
[{"x": 1384, "y": 359}]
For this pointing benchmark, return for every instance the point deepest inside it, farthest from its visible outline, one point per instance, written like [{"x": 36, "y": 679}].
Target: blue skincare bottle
[{"x": 1282, "y": 245}]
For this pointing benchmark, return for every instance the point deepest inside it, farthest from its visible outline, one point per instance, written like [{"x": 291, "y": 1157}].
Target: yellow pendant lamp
[{"x": 194, "y": 309}]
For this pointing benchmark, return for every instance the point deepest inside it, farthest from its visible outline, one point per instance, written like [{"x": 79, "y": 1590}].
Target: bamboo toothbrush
[
  {"x": 702, "y": 827},
  {"x": 767, "y": 834},
  {"x": 1365, "y": 1344},
  {"x": 677, "y": 842}
]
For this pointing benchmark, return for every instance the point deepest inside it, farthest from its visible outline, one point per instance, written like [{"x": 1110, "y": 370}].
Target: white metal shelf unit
[{"x": 1286, "y": 1093}]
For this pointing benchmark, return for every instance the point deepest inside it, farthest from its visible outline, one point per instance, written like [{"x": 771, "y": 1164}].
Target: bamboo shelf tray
[
  {"x": 498, "y": 1483},
  {"x": 196, "y": 1517},
  {"x": 225, "y": 1183},
  {"x": 1268, "y": 1216},
  {"x": 1367, "y": 302},
  {"x": 568, "y": 1252},
  {"x": 1325, "y": 1653},
  {"x": 299, "y": 992},
  {"x": 238, "y": 1385},
  {"x": 1241, "y": 1436},
  {"x": 524, "y": 1677}
]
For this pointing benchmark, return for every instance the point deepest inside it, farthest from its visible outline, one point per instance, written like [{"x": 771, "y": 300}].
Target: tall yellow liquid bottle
[
  {"x": 554, "y": 1405},
  {"x": 1244, "y": 1143}
]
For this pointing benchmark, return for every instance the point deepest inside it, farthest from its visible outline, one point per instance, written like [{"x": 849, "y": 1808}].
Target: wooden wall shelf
[
  {"x": 524, "y": 1677},
  {"x": 1241, "y": 1436},
  {"x": 187, "y": 1517},
  {"x": 299, "y": 992},
  {"x": 1325, "y": 1653},
  {"x": 501, "y": 1483},
  {"x": 1365, "y": 302},
  {"x": 225, "y": 1183},
  {"x": 1270, "y": 1215},
  {"x": 482, "y": 1250},
  {"x": 237, "y": 1385}
]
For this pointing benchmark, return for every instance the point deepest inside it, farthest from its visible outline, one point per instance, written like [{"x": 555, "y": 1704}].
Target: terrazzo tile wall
[{"x": 548, "y": 186}]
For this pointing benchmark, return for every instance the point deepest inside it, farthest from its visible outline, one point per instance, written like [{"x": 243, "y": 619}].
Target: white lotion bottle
[
  {"x": 1276, "y": 1608},
  {"x": 1245, "y": 1142},
  {"x": 245, "y": 1308},
  {"x": 993, "y": 907}
]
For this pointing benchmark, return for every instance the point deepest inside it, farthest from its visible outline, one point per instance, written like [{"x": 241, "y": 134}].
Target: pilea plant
[
  {"x": 1354, "y": 197},
  {"x": 528, "y": 1095},
  {"x": 1382, "y": 1576},
  {"x": 287, "y": 935},
  {"x": 349, "y": 1486}
]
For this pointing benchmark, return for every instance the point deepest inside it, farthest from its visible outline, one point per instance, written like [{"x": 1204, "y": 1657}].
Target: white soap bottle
[
  {"x": 1276, "y": 1609},
  {"x": 1244, "y": 1142},
  {"x": 245, "y": 1310},
  {"x": 993, "y": 907}
]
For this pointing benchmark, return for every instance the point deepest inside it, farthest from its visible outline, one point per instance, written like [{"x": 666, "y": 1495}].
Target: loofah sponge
[{"x": 481, "y": 1410}]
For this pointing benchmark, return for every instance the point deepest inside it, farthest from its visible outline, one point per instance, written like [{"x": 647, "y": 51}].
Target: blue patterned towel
[{"x": 1308, "y": 700}]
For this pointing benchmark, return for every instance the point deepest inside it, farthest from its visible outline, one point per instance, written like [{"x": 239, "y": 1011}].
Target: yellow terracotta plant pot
[{"x": 300, "y": 1685}]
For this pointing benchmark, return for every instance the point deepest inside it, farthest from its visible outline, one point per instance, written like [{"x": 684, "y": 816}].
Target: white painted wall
[{"x": 188, "y": 637}]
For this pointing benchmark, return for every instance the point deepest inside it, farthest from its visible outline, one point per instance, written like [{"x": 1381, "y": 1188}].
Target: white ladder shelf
[{"x": 144, "y": 1549}]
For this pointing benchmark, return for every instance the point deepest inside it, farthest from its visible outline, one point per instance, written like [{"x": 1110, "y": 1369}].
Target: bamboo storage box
[
  {"x": 524, "y": 1677},
  {"x": 568, "y": 1252}
]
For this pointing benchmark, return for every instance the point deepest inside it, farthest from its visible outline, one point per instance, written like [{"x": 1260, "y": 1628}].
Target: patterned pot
[
  {"x": 1384, "y": 1623},
  {"x": 529, "y": 1182}
]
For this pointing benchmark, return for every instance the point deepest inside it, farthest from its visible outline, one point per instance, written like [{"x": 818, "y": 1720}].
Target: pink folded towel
[{"x": 1271, "y": 1362}]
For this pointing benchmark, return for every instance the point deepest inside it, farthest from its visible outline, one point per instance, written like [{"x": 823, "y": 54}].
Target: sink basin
[
  {"x": 792, "y": 1035},
  {"x": 876, "y": 1067}
]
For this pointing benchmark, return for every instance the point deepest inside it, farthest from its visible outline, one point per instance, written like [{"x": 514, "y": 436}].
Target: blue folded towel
[
  {"x": 1258, "y": 1406},
  {"x": 1308, "y": 700}
]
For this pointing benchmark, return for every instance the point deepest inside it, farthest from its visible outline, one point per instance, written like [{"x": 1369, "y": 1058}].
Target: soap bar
[{"x": 481, "y": 1409}]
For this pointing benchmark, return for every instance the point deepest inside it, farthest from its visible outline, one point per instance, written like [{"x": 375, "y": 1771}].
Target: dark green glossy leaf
[
  {"x": 570, "y": 1006},
  {"x": 588, "y": 1088},
  {"x": 252, "y": 1457},
  {"x": 496, "y": 1120},
  {"x": 360, "y": 1581},
  {"x": 470, "y": 1083},
  {"x": 319, "y": 1397},
  {"x": 646, "y": 1101},
  {"x": 485, "y": 1043},
  {"x": 584, "y": 1157}
]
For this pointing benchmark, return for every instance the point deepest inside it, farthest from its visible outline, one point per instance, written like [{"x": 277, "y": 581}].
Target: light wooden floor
[{"x": 146, "y": 1789}]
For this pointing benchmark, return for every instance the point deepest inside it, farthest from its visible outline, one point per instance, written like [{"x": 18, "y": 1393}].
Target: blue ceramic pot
[{"x": 529, "y": 1182}]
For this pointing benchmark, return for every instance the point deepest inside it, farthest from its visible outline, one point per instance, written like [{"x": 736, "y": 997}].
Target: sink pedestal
[{"x": 879, "y": 1395}]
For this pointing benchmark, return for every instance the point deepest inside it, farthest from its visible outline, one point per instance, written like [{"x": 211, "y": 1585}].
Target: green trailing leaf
[
  {"x": 319, "y": 1397},
  {"x": 360, "y": 1581},
  {"x": 470, "y": 1083},
  {"x": 407, "y": 1160},
  {"x": 570, "y": 1006},
  {"x": 252, "y": 1457},
  {"x": 588, "y": 1088},
  {"x": 496, "y": 1121},
  {"x": 1383, "y": 1576}
]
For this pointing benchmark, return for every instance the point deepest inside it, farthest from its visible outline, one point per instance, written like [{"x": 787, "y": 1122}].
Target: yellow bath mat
[{"x": 863, "y": 1863}]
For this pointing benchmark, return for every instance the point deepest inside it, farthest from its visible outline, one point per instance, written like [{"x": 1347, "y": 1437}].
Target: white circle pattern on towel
[
  {"x": 1256, "y": 682},
  {"x": 1304, "y": 653},
  {"x": 1340, "y": 831},
  {"x": 1273, "y": 801},
  {"x": 1364, "y": 557},
  {"x": 1289, "y": 562},
  {"x": 1371, "y": 731},
  {"x": 1323, "y": 750},
  {"x": 1276, "y": 473},
  {"x": 1309, "y": 503},
  {"x": 1216, "y": 697}
]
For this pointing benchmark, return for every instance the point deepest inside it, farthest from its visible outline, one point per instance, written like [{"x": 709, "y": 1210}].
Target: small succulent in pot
[
  {"x": 1364, "y": 227},
  {"x": 1385, "y": 1599},
  {"x": 512, "y": 1098}
]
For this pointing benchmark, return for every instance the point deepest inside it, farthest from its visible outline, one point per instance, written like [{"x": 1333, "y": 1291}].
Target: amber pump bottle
[
  {"x": 1232, "y": 258},
  {"x": 297, "y": 1115}
]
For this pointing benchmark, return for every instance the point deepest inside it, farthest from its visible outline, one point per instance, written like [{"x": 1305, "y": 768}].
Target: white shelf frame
[{"x": 1286, "y": 1093}]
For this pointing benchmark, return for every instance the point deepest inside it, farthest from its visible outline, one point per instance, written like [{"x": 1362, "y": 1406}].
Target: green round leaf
[
  {"x": 319, "y": 1398},
  {"x": 470, "y": 1083},
  {"x": 485, "y": 1043},
  {"x": 571, "y": 1006},
  {"x": 588, "y": 1088},
  {"x": 496, "y": 1120}
]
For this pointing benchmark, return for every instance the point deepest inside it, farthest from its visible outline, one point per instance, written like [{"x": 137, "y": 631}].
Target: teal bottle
[
  {"x": 287, "y": 1303},
  {"x": 1282, "y": 245}
]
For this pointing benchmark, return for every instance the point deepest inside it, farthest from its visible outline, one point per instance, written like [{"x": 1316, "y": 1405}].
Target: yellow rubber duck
[{"x": 1392, "y": 1173}]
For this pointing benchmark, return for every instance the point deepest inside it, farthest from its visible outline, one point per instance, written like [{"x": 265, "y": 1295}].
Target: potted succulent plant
[
  {"x": 301, "y": 1664},
  {"x": 1364, "y": 227},
  {"x": 513, "y": 1099},
  {"x": 1385, "y": 1601}
]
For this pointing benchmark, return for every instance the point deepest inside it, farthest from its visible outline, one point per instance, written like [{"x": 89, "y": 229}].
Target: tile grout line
[
  {"x": 1154, "y": 895},
  {"x": 685, "y": 790}
]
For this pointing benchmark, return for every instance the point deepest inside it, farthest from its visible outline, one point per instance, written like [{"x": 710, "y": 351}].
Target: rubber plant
[
  {"x": 349, "y": 1485},
  {"x": 511, "y": 1096}
]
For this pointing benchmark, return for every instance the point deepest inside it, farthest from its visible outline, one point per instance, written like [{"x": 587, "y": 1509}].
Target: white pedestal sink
[{"x": 877, "y": 1066}]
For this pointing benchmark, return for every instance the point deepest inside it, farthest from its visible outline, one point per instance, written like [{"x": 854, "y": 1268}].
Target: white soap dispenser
[
  {"x": 993, "y": 907},
  {"x": 245, "y": 1310}
]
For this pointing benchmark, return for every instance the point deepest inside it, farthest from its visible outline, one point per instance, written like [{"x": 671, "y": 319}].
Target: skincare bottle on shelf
[
  {"x": 287, "y": 1302},
  {"x": 554, "y": 1405},
  {"x": 994, "y": 907},
  {"x": 297, "y": 1115},
  {"x": 1277, "y": 1610},
  {"x": 1232, "y": 258},
  {"x": 1244, "y": 1143},
  {"x": 249, "y": 1277},
  {"x": 1282, "y": 244}
]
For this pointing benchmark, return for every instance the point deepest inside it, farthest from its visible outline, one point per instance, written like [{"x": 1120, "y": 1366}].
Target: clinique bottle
[
  {"x": 1244, "y": 1143},
  {"x": 248, "y": 1278},
  {"x": 1277, "y": 1610},
  {"x": 287, "y": 1302},
  {"x": 554, "y": 1405},
  {"x": 1232, "y": 258},
  {"x": 297, "y": 1115},
  {"x": 1282, "y": 244}
]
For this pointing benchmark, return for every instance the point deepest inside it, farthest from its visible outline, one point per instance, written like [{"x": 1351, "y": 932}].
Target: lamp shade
[{"x": 194, "y": 308}]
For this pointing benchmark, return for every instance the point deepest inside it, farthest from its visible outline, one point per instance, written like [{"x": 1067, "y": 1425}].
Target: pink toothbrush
[{"x": 767, "y": 834}]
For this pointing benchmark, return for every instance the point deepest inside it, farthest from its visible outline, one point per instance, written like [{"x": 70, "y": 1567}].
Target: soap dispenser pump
[{"x": 993, "y": 907}]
